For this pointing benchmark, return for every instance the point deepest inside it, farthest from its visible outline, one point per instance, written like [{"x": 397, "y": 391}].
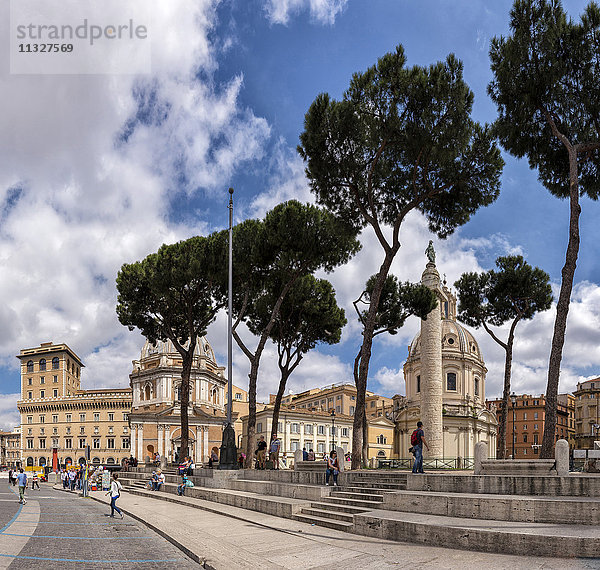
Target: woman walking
[
  {"x": 115, "y": 493},
  {"x": 333, "y": 468}
]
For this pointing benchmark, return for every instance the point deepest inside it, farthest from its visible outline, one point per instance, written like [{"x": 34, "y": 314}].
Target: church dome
[
  {"x": 456, "y": 340},
  {"x": 167, "y": 347}
]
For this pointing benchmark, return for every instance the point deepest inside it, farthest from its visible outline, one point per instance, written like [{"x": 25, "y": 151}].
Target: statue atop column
[{"x": 430, "y": 252}]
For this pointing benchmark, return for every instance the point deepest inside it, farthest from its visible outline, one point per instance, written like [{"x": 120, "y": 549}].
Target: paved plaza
[
  {"x": 61, "y": 527},
  {"x": 57, "y": 529}
]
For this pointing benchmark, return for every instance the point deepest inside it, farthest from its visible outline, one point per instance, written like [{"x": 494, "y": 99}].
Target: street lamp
[
  {"x": 513, "y": 399},
  {"x": 333, "y": 426},
  {"x": 228, "y": 458}
]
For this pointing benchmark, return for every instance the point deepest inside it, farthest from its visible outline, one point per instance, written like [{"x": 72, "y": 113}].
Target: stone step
[
  {"x": 377, "y": 485},
  {"x": 326, "y": 522},
  {"x": 328, "y": 514},
  {"x": 364, "y": 490},
  {"x": 360, "y": 496},
  {"x": 537, "y": 509},
  {"x": 353, "y": 502},
  {"x": 506, "y": 537},
  {"x": 338, "y": 507}
]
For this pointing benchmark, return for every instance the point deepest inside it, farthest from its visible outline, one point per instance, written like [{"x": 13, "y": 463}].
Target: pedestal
[{"x": 228, "y": 458}]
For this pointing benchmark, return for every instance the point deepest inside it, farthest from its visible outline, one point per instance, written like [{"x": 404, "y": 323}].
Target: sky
[{"x": 97, "y": 170}]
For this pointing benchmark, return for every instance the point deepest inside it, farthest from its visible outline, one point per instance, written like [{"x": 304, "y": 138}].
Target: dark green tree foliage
[
  {"x": 308, "y": 315},
  {"x": 514, "y": 293},
  {"x": 294, "y": 240},
  {"x": 547, "y": 89},
  {"x": 401, "y": 139},
  {"x": 397, "y": 302},
  {"x": 174, "y": 295}
]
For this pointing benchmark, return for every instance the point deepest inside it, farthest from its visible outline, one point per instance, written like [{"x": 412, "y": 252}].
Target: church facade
[
  {"x": 445, "y": 384},
  {"x": 155, "y": 416}
]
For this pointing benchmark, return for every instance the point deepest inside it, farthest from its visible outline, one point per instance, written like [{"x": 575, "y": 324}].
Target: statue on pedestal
[{"x": 430, "y": 252}]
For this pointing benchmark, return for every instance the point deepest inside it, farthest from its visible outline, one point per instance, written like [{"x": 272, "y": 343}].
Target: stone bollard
[
  {"x": 297, "y": 458},
  {"x": 481, "y": 454},
  {"x": 561, "y": 455},
  {"x": 341, "y": 458}
]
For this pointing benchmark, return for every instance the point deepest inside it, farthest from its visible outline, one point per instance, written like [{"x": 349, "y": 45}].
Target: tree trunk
[
  {"x": 562, "y": 310},
  {"x": 282, "y": 382},
  {"x": 365, "y": 357},
  {"x": 502, "y": 427},
  {"x": 250, "y": 442},
  {"x": 365, "y": 436},
  {"x": 184, "y": 401}
]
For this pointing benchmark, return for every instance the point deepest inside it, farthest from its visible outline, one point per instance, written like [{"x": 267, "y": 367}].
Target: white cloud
[
  {"x": 9, "y": 416},
  {"x": 321, "y": 11}
]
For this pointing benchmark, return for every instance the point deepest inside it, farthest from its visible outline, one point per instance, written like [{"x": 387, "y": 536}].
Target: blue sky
[{"x": 100, "y": 170}]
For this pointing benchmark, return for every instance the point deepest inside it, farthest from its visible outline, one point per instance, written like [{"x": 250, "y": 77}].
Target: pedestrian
[
  {"x": 34, "y": 481},
  {"x": 274, "y": 451},
  {"x": 311, "y": 455},
  {"x": 10, "y": 475},
  {"x": 333, "y": 468},
  {"x": 22, "y": 479},
  {"x": 304, "y": 454},
  {"x": 115, "y": 493},
  {"x": 72, "y": 475},
  {"x": 261, "y": 452},
  {"x": 417, "y": 440},
  {"x": 181, "y": 487}
]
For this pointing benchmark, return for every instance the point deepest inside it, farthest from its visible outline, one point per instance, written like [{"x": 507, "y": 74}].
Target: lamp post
[
  {"x": 228, "y": 458},
  {"x": 513, "y": 399},
  {"x": 333, "y": 426}
]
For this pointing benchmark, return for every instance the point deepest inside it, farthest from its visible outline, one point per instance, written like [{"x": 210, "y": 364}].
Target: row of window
[
  {"x": 42, "y": 364},
  {"x": 308, "y": 429},
  {"x": 110, "y": 443},
  {"x": 42, "y": 380},
  {"x": 82, "y": 418},
  {"x": 81, "y": 430}
]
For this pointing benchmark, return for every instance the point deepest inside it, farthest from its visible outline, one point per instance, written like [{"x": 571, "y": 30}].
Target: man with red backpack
[{"x": 417, "y": 440}]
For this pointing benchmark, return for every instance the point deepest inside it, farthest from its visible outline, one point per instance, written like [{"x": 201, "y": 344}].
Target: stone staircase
[{"x": 365, "y": 493}]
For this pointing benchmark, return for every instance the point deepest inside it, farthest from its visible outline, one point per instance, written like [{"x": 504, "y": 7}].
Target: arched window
[
  {"x": 418, "y": 384},
  {"x": 148, "y": 392},
  {"x": 30, "y": 462},
  {"x": 178, "y": 392},
  {"x": 30, "y": 366},
  {"x": 451, "y": 381},
  {"x": 68, "y": 461},
  {"x": 110, "y": 461},
  {"x": 42, "y": 461},
  {"x": 55, "y": 363},
  {"x": 42, "y": 364},
  {"x": 477, "y": 386}
]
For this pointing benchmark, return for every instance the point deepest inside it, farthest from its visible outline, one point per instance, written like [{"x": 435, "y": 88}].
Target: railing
[{"x": 444, "y": 463}]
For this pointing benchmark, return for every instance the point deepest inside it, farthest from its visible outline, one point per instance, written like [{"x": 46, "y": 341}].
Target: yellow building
[
  {"x": 156, "y": 409},
  {"x": 10, "y": 447},
  {"x": 587, "y": 413},
  {"x": 338, "y": 397},
  {"x": 59, "y": 420}
]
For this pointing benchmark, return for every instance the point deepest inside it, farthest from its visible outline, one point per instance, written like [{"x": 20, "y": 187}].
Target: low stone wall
[
  {"x": 277, "y": 489},
  {"x": 572, "y": 485},
  {"x": 518, "y": 467},
  {"x": 471, "y": 537},
  {"x": 276, "y": 506},
  {"x": 288, "y": 476},
  {"x": 501, "y": 508}
]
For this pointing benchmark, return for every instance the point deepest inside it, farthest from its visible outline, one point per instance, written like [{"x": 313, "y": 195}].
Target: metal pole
[{"x": 230, "y": 309}]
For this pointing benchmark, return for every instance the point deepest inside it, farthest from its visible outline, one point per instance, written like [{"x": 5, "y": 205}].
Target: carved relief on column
[
  {"x": 167, "y": 436},
  {"x": 133, "y": 440},
  {"x": 198, "y": 454}
]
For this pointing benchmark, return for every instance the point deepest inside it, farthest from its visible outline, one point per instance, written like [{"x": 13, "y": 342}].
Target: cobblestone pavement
[
  {"x": 56, "y": 527},
  {"x": 8, "y": 505}
]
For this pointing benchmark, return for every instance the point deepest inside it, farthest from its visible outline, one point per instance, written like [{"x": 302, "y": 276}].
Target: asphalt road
[{"x": 56, "y": 527}]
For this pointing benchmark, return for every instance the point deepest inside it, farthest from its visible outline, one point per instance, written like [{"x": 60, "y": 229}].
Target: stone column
[
  {"x": 561, "y": 454},
  {"x": 198, "y": 457},
  {"x": 166, "y": 431},
  {"x": 133, "y": 440},
  {"x": 140, "y": 442},
  {"x": 206, "y": 450},
  {"x": 481, "y": 455},
  {"x": 431, "y": 368},
  {"x": 161, "y": 440}
]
